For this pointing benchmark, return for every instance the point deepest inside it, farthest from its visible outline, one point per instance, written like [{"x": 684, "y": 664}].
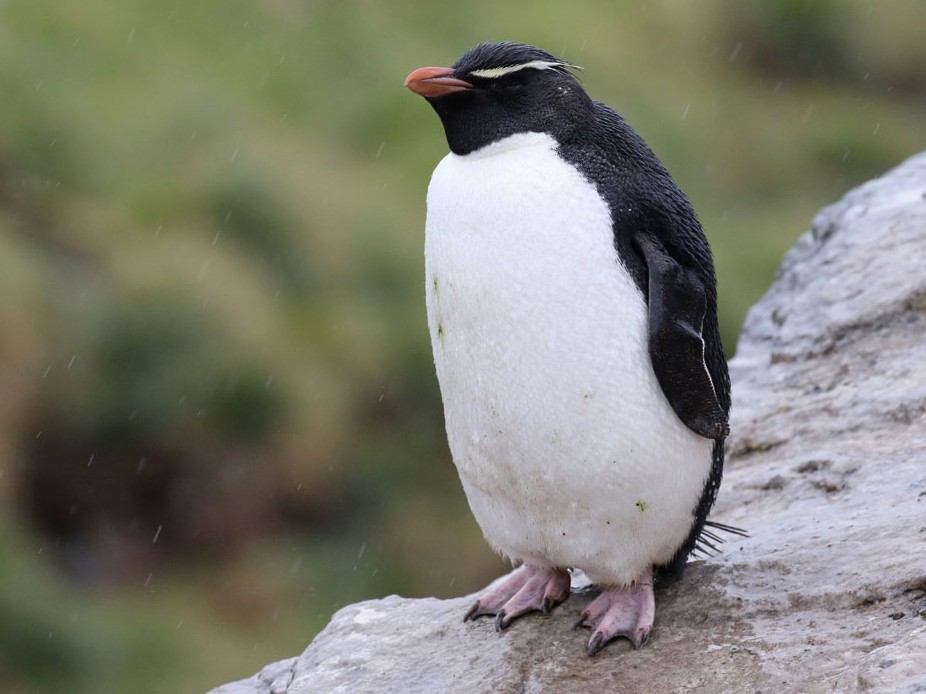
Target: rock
[
  {"x": 275, "y": 677},
  {"x": 827, "y": 471}
]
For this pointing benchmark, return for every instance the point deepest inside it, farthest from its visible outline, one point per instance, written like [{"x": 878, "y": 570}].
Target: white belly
[{"x": 569, "y": 453}]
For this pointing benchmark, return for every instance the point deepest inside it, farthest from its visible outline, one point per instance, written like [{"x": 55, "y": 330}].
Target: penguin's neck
[{"x": 511, "y": 143}]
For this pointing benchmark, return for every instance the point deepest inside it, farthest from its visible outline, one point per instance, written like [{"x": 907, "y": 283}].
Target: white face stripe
[{"x": 496, "y": 72}]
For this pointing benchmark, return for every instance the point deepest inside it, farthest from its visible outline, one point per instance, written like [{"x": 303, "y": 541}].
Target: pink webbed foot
[
  {"x": 627, "y": 612},
  {"x": 526, "y": 589}
]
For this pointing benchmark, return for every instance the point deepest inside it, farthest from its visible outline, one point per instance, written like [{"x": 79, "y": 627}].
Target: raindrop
[
  {"x": 363, "y": 549},
  {"x": 685, "y": 112},
  {"x": 90, "y": 462},
  {"x": 809, "y": 112},
  {"x": 47, "y": 371},
  {"x": 736, "y": 51},
  {"x": 131, "y": 36},
  {"x": 235, "y": 154},
  {"x": 141, "y": 465},
  {"x": 877, "y": 128},
  {"x": 71, "y": 363},
  {"x": 382, "y": 145},
  {"x": 148, "y": 580},
  {"x": 157, "y": 534}
]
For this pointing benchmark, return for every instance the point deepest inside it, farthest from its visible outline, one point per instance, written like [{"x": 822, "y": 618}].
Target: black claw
[
  {"x": 642, "y": 640},
  {"x": 546, "y": 606},
  {"x": 581, "y": 623},
  {"x": 596, "y": 643},
  {"x": 500, "y": 624},
  {"x": 471, "y": 613}
]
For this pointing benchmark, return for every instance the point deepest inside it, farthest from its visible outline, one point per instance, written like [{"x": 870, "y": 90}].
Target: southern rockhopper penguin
[{"x": 572, "y": 308}]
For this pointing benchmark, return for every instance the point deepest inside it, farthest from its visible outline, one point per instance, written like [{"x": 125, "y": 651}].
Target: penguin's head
[{"x": 501, "y": 89}]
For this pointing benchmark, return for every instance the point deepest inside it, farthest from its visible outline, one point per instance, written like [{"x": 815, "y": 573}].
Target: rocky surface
[{"x": 827, "y": 471}]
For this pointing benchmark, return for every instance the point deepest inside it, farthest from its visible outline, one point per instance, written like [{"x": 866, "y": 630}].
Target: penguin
[{"x": 572, "y": 309}]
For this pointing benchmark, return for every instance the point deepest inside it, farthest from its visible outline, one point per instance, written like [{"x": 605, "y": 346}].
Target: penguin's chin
[{"x": 435, "y": 81}]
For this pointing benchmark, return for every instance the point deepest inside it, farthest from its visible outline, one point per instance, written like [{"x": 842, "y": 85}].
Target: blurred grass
[{"x": 211, "y": 221}]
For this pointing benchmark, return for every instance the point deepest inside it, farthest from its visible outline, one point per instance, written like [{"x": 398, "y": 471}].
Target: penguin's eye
[{"x": 507, "y": 85}]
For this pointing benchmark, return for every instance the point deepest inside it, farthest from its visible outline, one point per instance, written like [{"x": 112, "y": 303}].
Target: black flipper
[{"x": 677, "y": 306}]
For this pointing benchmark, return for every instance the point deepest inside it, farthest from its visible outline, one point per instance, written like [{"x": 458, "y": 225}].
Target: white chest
[{"x": 568, "y": 451}]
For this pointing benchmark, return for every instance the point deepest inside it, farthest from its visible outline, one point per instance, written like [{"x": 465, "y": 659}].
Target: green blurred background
[{"x": 219, "y": 420}]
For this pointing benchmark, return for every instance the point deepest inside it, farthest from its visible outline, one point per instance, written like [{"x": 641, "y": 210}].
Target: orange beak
[{"x": 435, "y": 81}]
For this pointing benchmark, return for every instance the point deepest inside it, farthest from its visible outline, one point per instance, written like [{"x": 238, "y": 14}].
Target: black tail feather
[
  {"x": 732, "y": 529},
  {"x": 706, "y": 544}
]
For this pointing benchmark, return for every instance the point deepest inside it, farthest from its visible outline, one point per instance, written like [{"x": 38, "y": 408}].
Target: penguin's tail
[{"x": 710, "y": 537}]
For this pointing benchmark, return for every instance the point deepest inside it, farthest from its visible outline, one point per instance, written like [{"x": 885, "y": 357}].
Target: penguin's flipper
[{"x": 677, "y": 305}]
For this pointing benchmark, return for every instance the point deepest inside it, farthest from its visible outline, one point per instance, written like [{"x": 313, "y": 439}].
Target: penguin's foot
[
  {"x": 526, "y": 589},
  {"x": 626, "y": 612}
]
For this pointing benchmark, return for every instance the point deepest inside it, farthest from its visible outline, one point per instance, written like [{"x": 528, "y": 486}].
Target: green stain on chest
[{"x": 435, "y": 292}]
